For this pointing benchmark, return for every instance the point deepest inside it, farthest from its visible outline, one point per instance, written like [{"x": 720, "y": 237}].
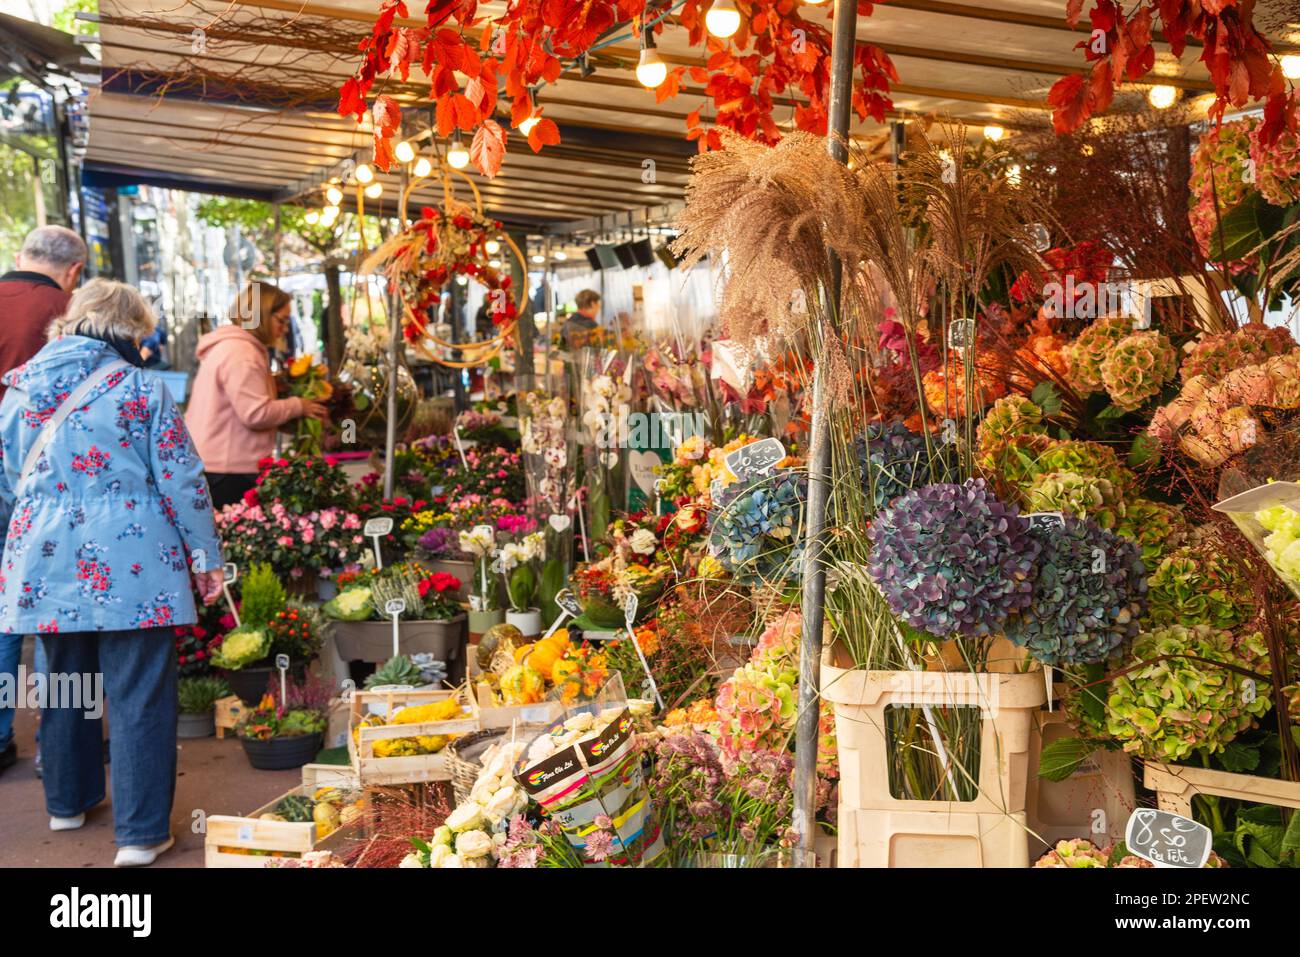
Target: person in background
[
  {"x": 104, "y": 511},
  {"x": 152, "y": 348},
  {"x": 233, "y": 412},
  {"x": 579, "y": 326},
  {"x": 31, "y": 296}
]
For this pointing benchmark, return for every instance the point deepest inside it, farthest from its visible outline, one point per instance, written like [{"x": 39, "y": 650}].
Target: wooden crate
[
  {"x": 411, "y": 769},
  {"x": 225, "y": 835},
  {"x": 537, "y": 715},
  {"x": 1175, "y": 786},
  {"x": 229, "y": 712}
]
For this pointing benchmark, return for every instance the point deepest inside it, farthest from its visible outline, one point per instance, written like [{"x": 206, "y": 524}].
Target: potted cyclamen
[
  {"x": 484, "y": 607},
  {"x": 197, "y": 699},
  {"x": 430, "y": 622},
  {"x": 519, "y": 564}
]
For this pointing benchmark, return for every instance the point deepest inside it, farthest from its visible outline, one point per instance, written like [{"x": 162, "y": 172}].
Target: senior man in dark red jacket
[{"x": 49, "y": 266}]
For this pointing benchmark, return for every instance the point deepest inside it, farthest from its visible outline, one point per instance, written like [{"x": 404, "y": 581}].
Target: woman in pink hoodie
[{"x": 233, "y": 412}]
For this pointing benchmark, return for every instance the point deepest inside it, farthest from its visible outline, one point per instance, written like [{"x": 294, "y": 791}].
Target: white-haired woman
[{"x": 102, "y": 496}]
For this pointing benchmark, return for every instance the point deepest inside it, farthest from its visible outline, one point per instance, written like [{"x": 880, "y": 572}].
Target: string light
[
  {"x": 559, "y": 255},
  {"x": 404, "y": 152},
  {"x": 650, "y": 71},
  {"x": 422, "y": 167},
  {"x": 1162, "y": 97},
  {"x": 723, "y": 19},
  {"x": 462, "y": 280},
  {"x": 312, "y": 217},
  {"x": 993, "y": 132},
  {"x": 364, "y": 173},
  {"x": 374, "y": 190},
  {"x": 328, "y": 215},
  {"x": 457, "y": 155},
  {"x": 334, "y": 195},
  {"x": 1013, "y": 175},
  {"x": 539, "y": 258},
  {"x": 814, "y": 3},
  {"x": 492, "y": 247},
  {"x": 1291, "y": 66},
  {"x": 494, "y": 263},
  {"x": 527, "y": 125}
]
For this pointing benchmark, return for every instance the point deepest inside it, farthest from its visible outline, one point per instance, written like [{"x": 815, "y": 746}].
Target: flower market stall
[{"x": 959, "y": 528}]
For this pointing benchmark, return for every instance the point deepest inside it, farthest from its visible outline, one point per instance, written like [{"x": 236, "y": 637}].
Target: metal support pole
[
  {"x": 394, "y": 343},
  {"x": 548, "y": 303},
  {"x": 819, "y": 459},
  {"x": 276, "y": 241}
]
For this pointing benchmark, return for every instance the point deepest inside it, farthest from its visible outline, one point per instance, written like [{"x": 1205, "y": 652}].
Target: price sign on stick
[
  {"x": 377, "y": 528},
  {"x": 629, "y": 616},
  {"x": 282, "y": 662},
  {"x": 460, "y": 449},
  {"x": 757, "y": 458},
  {"x": 1046, "y": 520},
  {"x": 394, "y": 608},
  {"x": 1167, "y": 839},
  {"x": 229, "y": 574},
  {"x": 568, "y": 602},
  {"x": 961, "y": 334}
]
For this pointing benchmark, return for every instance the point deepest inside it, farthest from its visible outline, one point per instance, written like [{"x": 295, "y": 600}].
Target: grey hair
[
  {"x": 54, "y": 245},
  {"x": 102, "y": 309}
]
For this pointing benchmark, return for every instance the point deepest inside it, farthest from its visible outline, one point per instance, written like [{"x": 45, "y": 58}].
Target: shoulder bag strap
[{"x": 70, "y": 404}]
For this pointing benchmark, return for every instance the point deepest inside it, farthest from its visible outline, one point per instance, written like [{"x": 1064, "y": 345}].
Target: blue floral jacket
[{"x": 98, "y": 541}]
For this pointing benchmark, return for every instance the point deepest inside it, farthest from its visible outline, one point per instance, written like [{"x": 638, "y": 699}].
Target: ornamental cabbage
[
  {"x": 354, "y": 604},
  {"x": 242, "y": 647}
]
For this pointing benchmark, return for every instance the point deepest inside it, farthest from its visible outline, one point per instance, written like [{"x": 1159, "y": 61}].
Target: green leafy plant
[
  {"x": 200, "y": 695},
  {"x": 242, "y": 647}
]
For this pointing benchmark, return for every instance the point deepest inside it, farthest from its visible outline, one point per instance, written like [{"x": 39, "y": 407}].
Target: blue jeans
[
  {"x": 139, "y": 677},
  {"x": 11, "y": 655}
]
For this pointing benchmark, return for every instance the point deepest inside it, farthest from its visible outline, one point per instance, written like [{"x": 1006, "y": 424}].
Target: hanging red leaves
[
  {"x": 488, "y": 148},
  {"x": 1120, "y": 48}
]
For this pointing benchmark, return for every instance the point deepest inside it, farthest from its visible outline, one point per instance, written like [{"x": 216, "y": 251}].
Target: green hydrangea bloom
[
  {"x": 1134, "y": 371},
  {"x": 1084, "y": 356},
  {"x": 1198, "y": 585},
  {"x": 1012, "y": 415},
  {"x": 1154, "y": 526},
  {"x": 1083, "y": 496}
]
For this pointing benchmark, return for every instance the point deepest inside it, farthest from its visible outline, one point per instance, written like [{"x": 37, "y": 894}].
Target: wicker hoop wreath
[{"x": 443, "y": 243}]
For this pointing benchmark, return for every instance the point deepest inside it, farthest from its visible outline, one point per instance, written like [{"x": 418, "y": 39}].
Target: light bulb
[
  {"x": 1291, "y": 66},
  {"x": 814, "y": 3},
  {"x": 334, "y": 195},
  {"x": 374, "y": 190},
  {"x": 1162, "y": 97},
  {"x": 1013, "y": 175},
  {"x": 494, "y": 263},
  {"x": 328, "y": 215},
  {"x": 457, "y": 155},
  {"x": 312, "y": 217},
  {"x": 492, "y": 247},
  {"x": 651, "y": 71},
  {"x": 404, "y": 152},
  {"x": 559, "y": 255},
  {"x": 462, "y": 280},
  {"x": 539, "y": 258},
  {"x": 422, "y": 167},
  {"x": 722, "y": 20},
  {"x": 993, "y": 132},
  {"x": 364, "y": 173},
  {"x": 527, "y": 125}
]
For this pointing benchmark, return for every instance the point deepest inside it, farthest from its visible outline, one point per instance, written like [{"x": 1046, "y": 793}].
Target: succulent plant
[
  {"x": 1176, "y": 705},
  {"x": 1198, "y": 585},
  {"x": 1088, "y": 599},
  {"x": 1155, "y": 527},
  {"x": 400, "y": 670},
  {"x": 1083, "y": 496},
  {"x": 953, "y": 559},
  {"x": 1013, "y": 415},
  {"x": 1137, "y": 367},
  {"x": 892, "y": 459},
  {"x": 757, "y": 531},
  {"x": 1214, "y": 356},
  {"x": 1084, "y": 357}
]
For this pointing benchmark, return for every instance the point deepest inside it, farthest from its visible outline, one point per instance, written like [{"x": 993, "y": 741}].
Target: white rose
[
  {"x": 643, "y": 541},
  {"x": 483, "y": 790},
  {"x": 411, "y": 860},
  {"x": 441, "y": 836},
  {"x": 451, "y": 860},
  {"x": 468, "y": 815},
  {"x": 502, "y": 804},
  {"x": 472, "y": 844},
  {"x": 543, "y": 747},
  {"x": 579, "y": 722},
  {"x": 438, "y": 855}
]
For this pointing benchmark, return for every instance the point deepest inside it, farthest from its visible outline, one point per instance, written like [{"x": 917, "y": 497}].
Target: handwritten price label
[
  {"x": 378, "y": 526},
  {"x": 1167, "y": 839},
  {"x": 757, "y": 458}
]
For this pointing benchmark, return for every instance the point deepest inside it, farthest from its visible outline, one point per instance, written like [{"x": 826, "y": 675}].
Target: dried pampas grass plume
[{"x": 774, "y": 219}]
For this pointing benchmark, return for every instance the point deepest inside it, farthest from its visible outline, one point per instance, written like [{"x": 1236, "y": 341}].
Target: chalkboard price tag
[
  {"x": 567, "y": 602},
  {"x": 1167, "y": 839},
  {"x": 229, "y": 573},
  {"x": 282, "y": 662},
  {"x": 1045, "y": 520},
  {"x": 757, "y": 458},
  {"x": 630, "y": 607},
  {"x": 394, "y": 606}
]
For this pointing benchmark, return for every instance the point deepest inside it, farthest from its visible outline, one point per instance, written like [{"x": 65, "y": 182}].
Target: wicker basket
[{"x": 465, "y": 768}]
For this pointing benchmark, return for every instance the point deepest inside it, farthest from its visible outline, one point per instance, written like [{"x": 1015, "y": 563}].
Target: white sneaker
[
  {"x": 132, "y": 856},
  {"x": 67, "y": 823}
]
